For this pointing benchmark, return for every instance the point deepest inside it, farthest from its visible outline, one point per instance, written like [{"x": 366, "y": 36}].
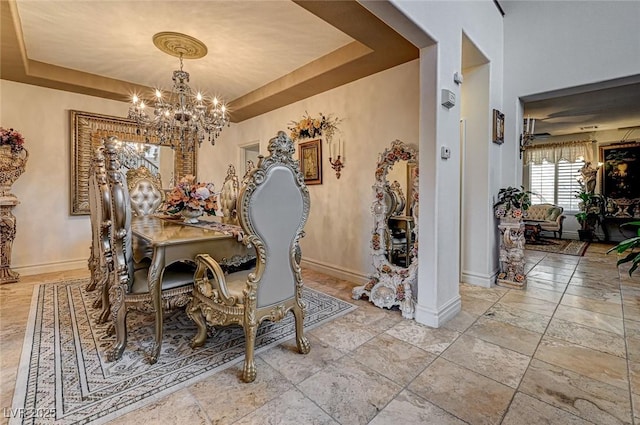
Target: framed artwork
[
  {"x": 310, "y": 154},
  {"x": 87, "y": 132},
  {"x": 498, "y": 127},
  {"x": 621, "y": 170}
]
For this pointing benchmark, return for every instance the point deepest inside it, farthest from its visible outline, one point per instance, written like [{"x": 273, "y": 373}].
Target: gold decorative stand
[
  {"x": 7, "y": 234},
  {"x": 12, "y": 165},
  {"x": 512, "y": 241}
]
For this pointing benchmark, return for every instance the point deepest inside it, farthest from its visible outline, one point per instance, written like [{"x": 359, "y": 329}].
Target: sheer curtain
[{"x": 554, "y": 152}]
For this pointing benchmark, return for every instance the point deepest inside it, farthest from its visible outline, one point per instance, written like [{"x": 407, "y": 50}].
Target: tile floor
[{"x": 564, "y": 351}]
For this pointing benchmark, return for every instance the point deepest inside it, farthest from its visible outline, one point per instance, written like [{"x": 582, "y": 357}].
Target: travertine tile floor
[{"x": 564, "y": 351}]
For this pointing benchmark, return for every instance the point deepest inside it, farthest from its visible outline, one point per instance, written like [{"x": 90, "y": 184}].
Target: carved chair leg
[
  {"x": 105, "y": 304},
  {"x": 249, "y": 372},
  {"x": 301, "y": 341},
  {"x": 97, "y": 303},
  {"x": 195, "y": 313},
  {"x": 91, "y": 263},
  {"x": 119, "y": 316}
]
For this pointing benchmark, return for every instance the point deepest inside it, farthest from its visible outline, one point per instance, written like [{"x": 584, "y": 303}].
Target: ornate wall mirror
[
  {"x": 394, "y": 241},
  {"x": 88, "y": 130}
]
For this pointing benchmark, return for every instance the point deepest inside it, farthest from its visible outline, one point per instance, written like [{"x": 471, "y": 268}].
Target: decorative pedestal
[
  {"x": 7, "y": 234},
  {"x": 512, "y": 241}
]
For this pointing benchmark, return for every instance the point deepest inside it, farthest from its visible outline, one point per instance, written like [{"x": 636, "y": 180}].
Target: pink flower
[
  {"x": 192, "y": 195},
  {"x": 11, "y": 138}
]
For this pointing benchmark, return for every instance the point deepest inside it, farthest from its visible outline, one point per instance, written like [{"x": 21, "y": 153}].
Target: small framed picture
[
  {"x": 498, "y": 127},
  {"x": 310, "y": 154}
]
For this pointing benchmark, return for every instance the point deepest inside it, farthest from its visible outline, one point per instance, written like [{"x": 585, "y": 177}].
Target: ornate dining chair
[
  {"x": 229, "y": 196},
  {"x": 99, "y": 209},
  {"x": 250, "y": 165},
  {"x": 145, "y": 191},
  {"x": 273, "y": 209},
  {"x": 128, "y": 288}
]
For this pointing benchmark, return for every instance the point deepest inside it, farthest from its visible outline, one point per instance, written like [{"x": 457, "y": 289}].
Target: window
[{"x": 555, "y": 184}]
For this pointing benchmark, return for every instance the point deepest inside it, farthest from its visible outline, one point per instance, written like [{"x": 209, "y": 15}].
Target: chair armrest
[
  {"x": 216, "y": 287},
  {"x": 560, "y": 219}
]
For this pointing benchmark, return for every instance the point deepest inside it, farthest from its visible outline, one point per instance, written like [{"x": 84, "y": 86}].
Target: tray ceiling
[{"x": 261, "y": 54}]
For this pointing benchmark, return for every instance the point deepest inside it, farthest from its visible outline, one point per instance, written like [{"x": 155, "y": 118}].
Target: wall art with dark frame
[
  {"x": 310, "y": 154},
  {"x": 498, "y": 127},
  {"x": 621, "y": 170}
]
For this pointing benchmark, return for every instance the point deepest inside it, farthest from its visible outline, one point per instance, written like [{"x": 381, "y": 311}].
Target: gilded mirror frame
[
  {"x": 392, "y": 285},
  {"x": 87, "y": 132}
]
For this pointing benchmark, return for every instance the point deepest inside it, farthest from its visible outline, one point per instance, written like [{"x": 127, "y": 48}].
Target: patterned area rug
[
  {"x": 559, "y": 246},
  {"x": 63, "y": 377}
]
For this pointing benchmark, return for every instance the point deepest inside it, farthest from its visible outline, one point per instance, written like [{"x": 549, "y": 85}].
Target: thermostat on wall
[{"x": 448, "y": 99}]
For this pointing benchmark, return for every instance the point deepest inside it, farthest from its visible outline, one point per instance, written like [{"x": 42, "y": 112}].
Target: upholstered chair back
[
  {"x": 229, "y": 195},
  {"x": 274, "y": 207},
  {"x": 145, "y": 190}
]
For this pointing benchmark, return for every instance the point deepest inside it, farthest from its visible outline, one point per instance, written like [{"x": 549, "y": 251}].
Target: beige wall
[
  {"x": 375, "y": 110},
  {"x": 48, "y": 238}
]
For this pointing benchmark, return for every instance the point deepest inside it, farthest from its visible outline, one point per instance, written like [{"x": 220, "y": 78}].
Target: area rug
[
  {"x": 559, "y": 246},
  {"x": 63, "y": 377}
]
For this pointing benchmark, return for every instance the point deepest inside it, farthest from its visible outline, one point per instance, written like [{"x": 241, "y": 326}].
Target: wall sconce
[
  {"x": 338, "y": 164},
  {"x": 527, "y": 136}
]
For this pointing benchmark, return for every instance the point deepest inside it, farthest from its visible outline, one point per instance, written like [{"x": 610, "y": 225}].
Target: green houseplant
[
  {"x": 629, "y": 245},
  {"x": 591, "y": 212},
  {"x": 512, "y": 202}
]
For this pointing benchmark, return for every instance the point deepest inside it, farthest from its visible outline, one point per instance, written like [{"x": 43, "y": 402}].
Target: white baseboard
[
  {"x": 477, "y": 279},
  {"x": 332, "y": 270},
  {"x": 59, "y": 266},
  {"x": 435, "y": 319}
]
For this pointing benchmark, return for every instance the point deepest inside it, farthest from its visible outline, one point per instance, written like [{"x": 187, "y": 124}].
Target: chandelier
[{"x": 180, "y": 118}]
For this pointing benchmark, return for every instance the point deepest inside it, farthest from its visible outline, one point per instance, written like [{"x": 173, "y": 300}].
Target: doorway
[
  {"x": 475, "y": 141},
  {"x": 248, "y": 152}
]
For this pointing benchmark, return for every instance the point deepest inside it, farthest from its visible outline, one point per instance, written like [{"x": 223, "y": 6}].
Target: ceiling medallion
[{"x": 180, "y": 118}]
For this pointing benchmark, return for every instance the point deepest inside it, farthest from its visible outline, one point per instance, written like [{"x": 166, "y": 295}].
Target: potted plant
[
  {"x": 512, "y": 203},
  {"x": 591, "y": 207},
  {"x": 629, "y": 245}
]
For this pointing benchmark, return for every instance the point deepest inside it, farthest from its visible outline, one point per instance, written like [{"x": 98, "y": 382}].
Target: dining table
[{"x": 167, "y": 239}]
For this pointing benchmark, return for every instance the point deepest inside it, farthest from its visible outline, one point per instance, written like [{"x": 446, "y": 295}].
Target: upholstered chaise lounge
[{"x": 548, "y": 216}]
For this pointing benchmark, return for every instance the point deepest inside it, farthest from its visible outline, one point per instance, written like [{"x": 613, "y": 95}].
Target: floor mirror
[{"x": 394, "y": 240}]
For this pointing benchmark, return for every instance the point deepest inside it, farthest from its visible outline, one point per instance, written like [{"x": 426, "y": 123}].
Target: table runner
[{"x": 227, "y": 229}]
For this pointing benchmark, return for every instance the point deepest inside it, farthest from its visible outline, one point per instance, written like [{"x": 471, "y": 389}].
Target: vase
[
  {"x": 12, "y": 165},
  {"x": 190, "y": 216}
]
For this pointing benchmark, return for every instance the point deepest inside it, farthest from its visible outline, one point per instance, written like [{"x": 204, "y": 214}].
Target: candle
[
  {"x": 533, "y": 123},
  {"x": 528, "y": 120}
]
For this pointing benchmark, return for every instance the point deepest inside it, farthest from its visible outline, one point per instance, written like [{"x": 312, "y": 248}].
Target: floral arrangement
[
  {"x": 11, "y": 138},
  {"x": 192, "y": 196},
  {"x": 309, "y": 127}
]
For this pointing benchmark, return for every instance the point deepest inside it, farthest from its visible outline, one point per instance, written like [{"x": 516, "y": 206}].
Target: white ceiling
[
  {"x": 250, "y": 43},
  {"x": 612, "y": 108}
]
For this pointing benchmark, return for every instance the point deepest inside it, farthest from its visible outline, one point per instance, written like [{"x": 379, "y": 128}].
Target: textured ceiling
[
  {"x": 250, "y": 43},
  {"x": 261, "y": 54}
]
